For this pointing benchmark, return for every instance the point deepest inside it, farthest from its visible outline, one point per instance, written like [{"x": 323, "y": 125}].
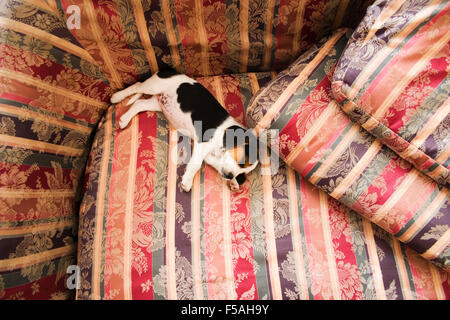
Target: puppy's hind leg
[
  {"x": 141, "y": 105},
  {"x": 122, "y": 94}
]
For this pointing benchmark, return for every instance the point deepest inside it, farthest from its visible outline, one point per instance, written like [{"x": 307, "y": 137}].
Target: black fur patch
[
  {"x": 203, "y": 106},
  {"x": 240, "y": 178},
  {"x": 167, "y": 73}
]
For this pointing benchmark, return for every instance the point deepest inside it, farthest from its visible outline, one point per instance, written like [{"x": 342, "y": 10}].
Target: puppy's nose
[{"x": 232, "y": 186}]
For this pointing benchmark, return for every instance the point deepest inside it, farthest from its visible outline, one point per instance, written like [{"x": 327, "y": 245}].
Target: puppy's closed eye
[{"x": 240, "y": 178}]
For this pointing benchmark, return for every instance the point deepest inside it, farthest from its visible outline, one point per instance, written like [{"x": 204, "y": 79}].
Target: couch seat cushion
[
  {"x": 394, "y": 79},
  {"x": 279, "y": 237}
]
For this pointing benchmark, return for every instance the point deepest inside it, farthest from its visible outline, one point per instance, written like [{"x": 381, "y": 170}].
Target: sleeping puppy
[{"x": 189, "y": 107}]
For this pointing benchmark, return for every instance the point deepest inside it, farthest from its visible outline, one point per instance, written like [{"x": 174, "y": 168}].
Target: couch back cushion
[
  {"x": 394, "y": 79},
  {"x": 130, "y": 39},
  {"x": 318, "y": 140},
  {"x": 51, "y": 96}
]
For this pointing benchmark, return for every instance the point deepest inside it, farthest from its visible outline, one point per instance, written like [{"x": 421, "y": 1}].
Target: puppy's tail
[{"x": 134, "y": 98}]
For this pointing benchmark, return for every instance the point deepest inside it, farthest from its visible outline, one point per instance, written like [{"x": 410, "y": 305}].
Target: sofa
[{"x": 357, "y": 208}]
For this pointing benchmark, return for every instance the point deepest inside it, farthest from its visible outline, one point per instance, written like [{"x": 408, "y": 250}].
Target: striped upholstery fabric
[
  {"x": 335, "y": 154},
  {"x": 394, "y": 79},
  {"x": 52, "y": 94},
  {"x": 55, "y": 84},
  {"x": 279, "y": 237},
  {"x": 205, "y": 37}
]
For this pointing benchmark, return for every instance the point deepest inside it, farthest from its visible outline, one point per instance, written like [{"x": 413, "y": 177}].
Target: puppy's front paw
[
  {"x": 186, "y": 184},
  {"x": 123, "y": 122},
  {"x": 116, "y": 98}
]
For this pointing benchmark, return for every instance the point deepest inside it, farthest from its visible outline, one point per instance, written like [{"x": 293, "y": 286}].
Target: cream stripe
[
  {"x": 443, "y": 157},
  {"x": 171, "y": 37},
  {"x": 22, "y": 230},
  {"x": 33, "y": 259},
  {"x": 396, "y": 196},
  {"x": 313, "y": 131},
  {"x": 436, "y": 249},
  {"x": 401, "y": 270},
  {"x": 430, "y": 126},
  {"x": 385, "y": 14},
  {"x": 196, "y": 242},
  {"x": 243, "y": 34},
  {"x": 29, "y": 114},
  {"x": 293, "y": 86},
  {"x": 271, "y": 248},
  {"x": 299, "y": 20},
  {"x": 39, "y": 193},
  {"x": 99, "y": 213},
  {"x": 58, "y": 90},
  {"x": 373, "y": 260},
  {"x": 426, "y": 215},
  {"x": 360, "y": 166},
  {"x": 203, "y": 38},
  {"x": 39, "y": 146},
  {"x": 226, "y": 227},
  {"x": 141, "y": 25},
  {"x": 170, "y": 215},
  {"x": 332, "y": 268},
  {"x": 343, "y": 4},
  {"x": 393, "y": 43},
  {"x": 329, "y": 160},
  {"x": 95, "y": 29},
  {"x": 296, "y": 240},
  {"x": 128, "y": 225},
  {"x": 268, "y": 42},
  {"x": 46, "y": 37},
  {"x": 399, "y": 86},
  {"x": 437, "y": 282}
]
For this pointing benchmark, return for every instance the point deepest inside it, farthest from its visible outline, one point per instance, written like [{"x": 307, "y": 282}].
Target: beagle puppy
[{"x": 189, "y": 107}]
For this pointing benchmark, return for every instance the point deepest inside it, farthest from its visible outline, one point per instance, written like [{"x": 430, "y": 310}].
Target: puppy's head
[{"x": 240, "y": 155}]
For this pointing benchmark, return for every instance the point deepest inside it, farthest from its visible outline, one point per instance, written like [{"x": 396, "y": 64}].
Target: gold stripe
[
  {"x": 46, "y": 37},
  {"x": 332, "y": 268},
  {"x": 39, "y": 146},
  {"x": 243, "y": 34},
  {"x": 396, "y": 196},
  {"x": 44, "y": 5},
  {"x": 293, "y": 86},
  {"x": 271, "y": 248},
  {"x": 373, "y": 260},
  {"x": 203, "y": 38},
  {"x": 39, "y": 193},
  {"x": 22, "y": 230},
  {"x": 426, "y": 215},
  {"x": 436, "y": 249},
  {"x": 196, "y": 240},
  {"x": 437, "y": 282},
  {"x": 401, "y": 270},
  {"x": 131, "y": 184},
  {"x": 312, "y": 132},
  {"x": 387, "y": 12},
  {"x": 296, "y": 240},
  {"x": 253, "y": 82},
  {"x": 430, "y": 126},
  {"x": 329, "y": 160},
  {"x": 29, "y": 114},
  {"x": 411, "y": 74},
  {"x": 141, "y": 25},
  {"x": 33, "y": 259},
  {"x": 357, "y": 170},
  {"x": 46, "y": 86},
  {"x": 299, "y": 19},
  {"x": 268, "y": 43},
  {"x": 393, "y": 43},
  {"x": 171, "y": 37},
  {"x": 100, "y": 205},
  {"x": 95, "y": 29},
  {"x": 170, "y": 214}
]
